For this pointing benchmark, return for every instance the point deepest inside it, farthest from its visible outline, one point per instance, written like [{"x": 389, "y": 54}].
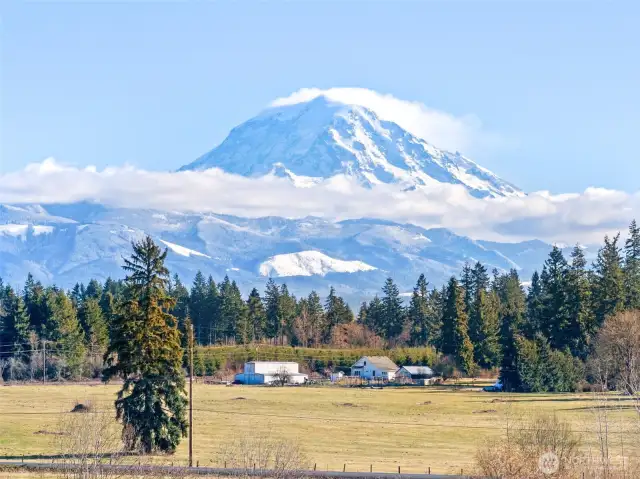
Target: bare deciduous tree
[
  {"x": 617, "y": 359},
  {"x": 282, "y": 376},
  {"x": 86, "y": 442},
  {"x": 261, "y": 452}
]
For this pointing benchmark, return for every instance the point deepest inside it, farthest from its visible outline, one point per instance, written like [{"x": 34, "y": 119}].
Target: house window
[
  {"x": 374, "y": 374},
  {"x": 356, "y": 373},
  {"x": 365, "y": 363},
  {"x": 384, "y": 373}
]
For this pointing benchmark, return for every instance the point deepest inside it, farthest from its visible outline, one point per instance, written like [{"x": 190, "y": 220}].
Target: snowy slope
[
  {"x": 309, "y": 263},
  {"x": 82, "y": 241},
  {"x": 321, "y": 138}
]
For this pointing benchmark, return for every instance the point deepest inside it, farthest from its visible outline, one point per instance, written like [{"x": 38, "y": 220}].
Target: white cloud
[
  {"x": 443, "y": 130},
  {"x": 583, "y": 217}
]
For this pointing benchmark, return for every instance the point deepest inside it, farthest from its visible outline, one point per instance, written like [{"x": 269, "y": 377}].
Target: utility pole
[
  {"x": 191, "y": 395},
  {"x": 44, "y": 361}
]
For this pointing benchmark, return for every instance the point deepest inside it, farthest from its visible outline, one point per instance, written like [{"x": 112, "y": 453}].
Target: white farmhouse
[
  {"x": 268, "y": 372},
  {"x": 374, "y": 367}
]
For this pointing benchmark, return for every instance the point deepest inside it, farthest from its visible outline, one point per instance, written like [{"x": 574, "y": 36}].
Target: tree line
[{"x": 540, "y": 337}]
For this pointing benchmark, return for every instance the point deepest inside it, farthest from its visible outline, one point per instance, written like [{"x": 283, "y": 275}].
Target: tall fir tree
[
  {"x": 418, "y": 313},
  {"x": 317, "y": 322},
  {"x": 198, "y": 308},
  {"x": 393, "y": 311},
  {"x": 582, "y": 320},
  {"x": 555, "y": 315},
  {"x": 96, "y": 329},
  {"x": 535, "y": 308},
  {"x": 14, "y": 325},
  {"x": 456, "y": 341},
  {"x": 608, "y": 280},
  {"x": 632, "y": 267},
  {"x": 256, "y": 315},
  {"x": 63, "y": 331},
  {"x": 272, "y": 307},
  {"x": 336, "y": 312},
  {"x": 449, "y": 317},
  {"x": 486, "y": 329},
  {"x": 512, "y": 315},
  {"x": 147, "y": 354},
  {"x": 180, "y": 294},
  {"x": 212, "y": 319}
]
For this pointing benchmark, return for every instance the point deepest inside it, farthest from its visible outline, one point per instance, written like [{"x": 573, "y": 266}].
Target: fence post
[
  {"x": 371, "y": 468},
  {"x": 398, "y": 469},
  {"x": 429, "y": 470},
  {"x": 314, "y": 466},
  {"x": 344, "y": 468}
]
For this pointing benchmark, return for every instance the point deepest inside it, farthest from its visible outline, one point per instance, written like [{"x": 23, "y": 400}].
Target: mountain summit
[{"x": 316, "y": 139}]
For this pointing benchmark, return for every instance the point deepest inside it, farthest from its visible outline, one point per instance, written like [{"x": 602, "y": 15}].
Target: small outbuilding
[
  {"x": 374, "y": 367},
  {"x": 416, "y": 374},
  {"x": 271, "y": 372}
]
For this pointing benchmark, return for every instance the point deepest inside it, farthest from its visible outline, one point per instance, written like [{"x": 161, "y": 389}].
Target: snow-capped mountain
[
  {"x": 320, "y": 138},
  {"x": 64, "y": 244}
]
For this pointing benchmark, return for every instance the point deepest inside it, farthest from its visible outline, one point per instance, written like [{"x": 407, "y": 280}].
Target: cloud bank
[
  {"x": 443, "y": 130},
  {"x": 580, "y": 217}
]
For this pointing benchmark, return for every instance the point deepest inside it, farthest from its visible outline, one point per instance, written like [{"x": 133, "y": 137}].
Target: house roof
[
  {"x": 381, "y": 362},
  {"x": 271, "y": 362},
  {"x": 418, "y": 370}
]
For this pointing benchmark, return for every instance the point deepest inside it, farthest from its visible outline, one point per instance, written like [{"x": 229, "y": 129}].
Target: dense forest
[{"x": 540, "y": 337}]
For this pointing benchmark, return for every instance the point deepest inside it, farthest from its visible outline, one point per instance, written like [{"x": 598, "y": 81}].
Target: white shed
[
  {"x": 268, "y": 372},
  {"x": 374, "y": 367}
]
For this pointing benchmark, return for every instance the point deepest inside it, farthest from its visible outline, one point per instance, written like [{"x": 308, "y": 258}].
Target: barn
[
  {"x": 269, "y": 372},
  {"x": 416, "y": 374}
]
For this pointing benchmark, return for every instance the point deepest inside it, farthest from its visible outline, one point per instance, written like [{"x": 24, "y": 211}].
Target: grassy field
[{"x": 414, "y": 428}]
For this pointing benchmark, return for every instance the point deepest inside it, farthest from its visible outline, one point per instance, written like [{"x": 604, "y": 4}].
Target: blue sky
[{"x": 156, "y": 84}]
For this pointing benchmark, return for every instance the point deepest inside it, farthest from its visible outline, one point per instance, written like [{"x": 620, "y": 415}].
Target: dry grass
[{"x": 414, "y": 428}]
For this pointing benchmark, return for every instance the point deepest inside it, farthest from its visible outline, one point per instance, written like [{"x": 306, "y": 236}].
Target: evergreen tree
[
  {"x": 418, "y": 313},
  {"x": 212, "y": 321},
  {"x": 512, "y": 312},
  {"x": 467, "y": 284},
  {"x": 435, "y": 307},
  {"x": 632, "y": 267},
  {"x": 361, "y": 317},
  {"x": 449, "y": 317},
  {"x": 375, "y": 315},
  {"x": 272, "y": 307},
  {"x": 535, "y": 308},
  {"x": 180, "y": 294},
  {"x": 456, "y": 341},
  {"x": 316, "y": 318},
  {"x": 256, "y": 316},
  {"x": 93, "y": 290},
  {"x": 95, "y": 327},
  {"x": 34, "y": 300},
  {"x": 582, "y": 321},
  {"x": 14, "y": 324},
  {"x": 63, "y": 331},
  {"x": 288, "y": 309},
  {"x": 337, "y": 311},
  {"x": 608, "y": 285},
  {"x": 198, "y": 308},
  {"x": 393, "y": 310},
  {"x": 555, "y": 315},
  {"x": 234, "y": 312},
  {"x": 146, "y": 353},
  {"x": 486, "y": 326}
]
